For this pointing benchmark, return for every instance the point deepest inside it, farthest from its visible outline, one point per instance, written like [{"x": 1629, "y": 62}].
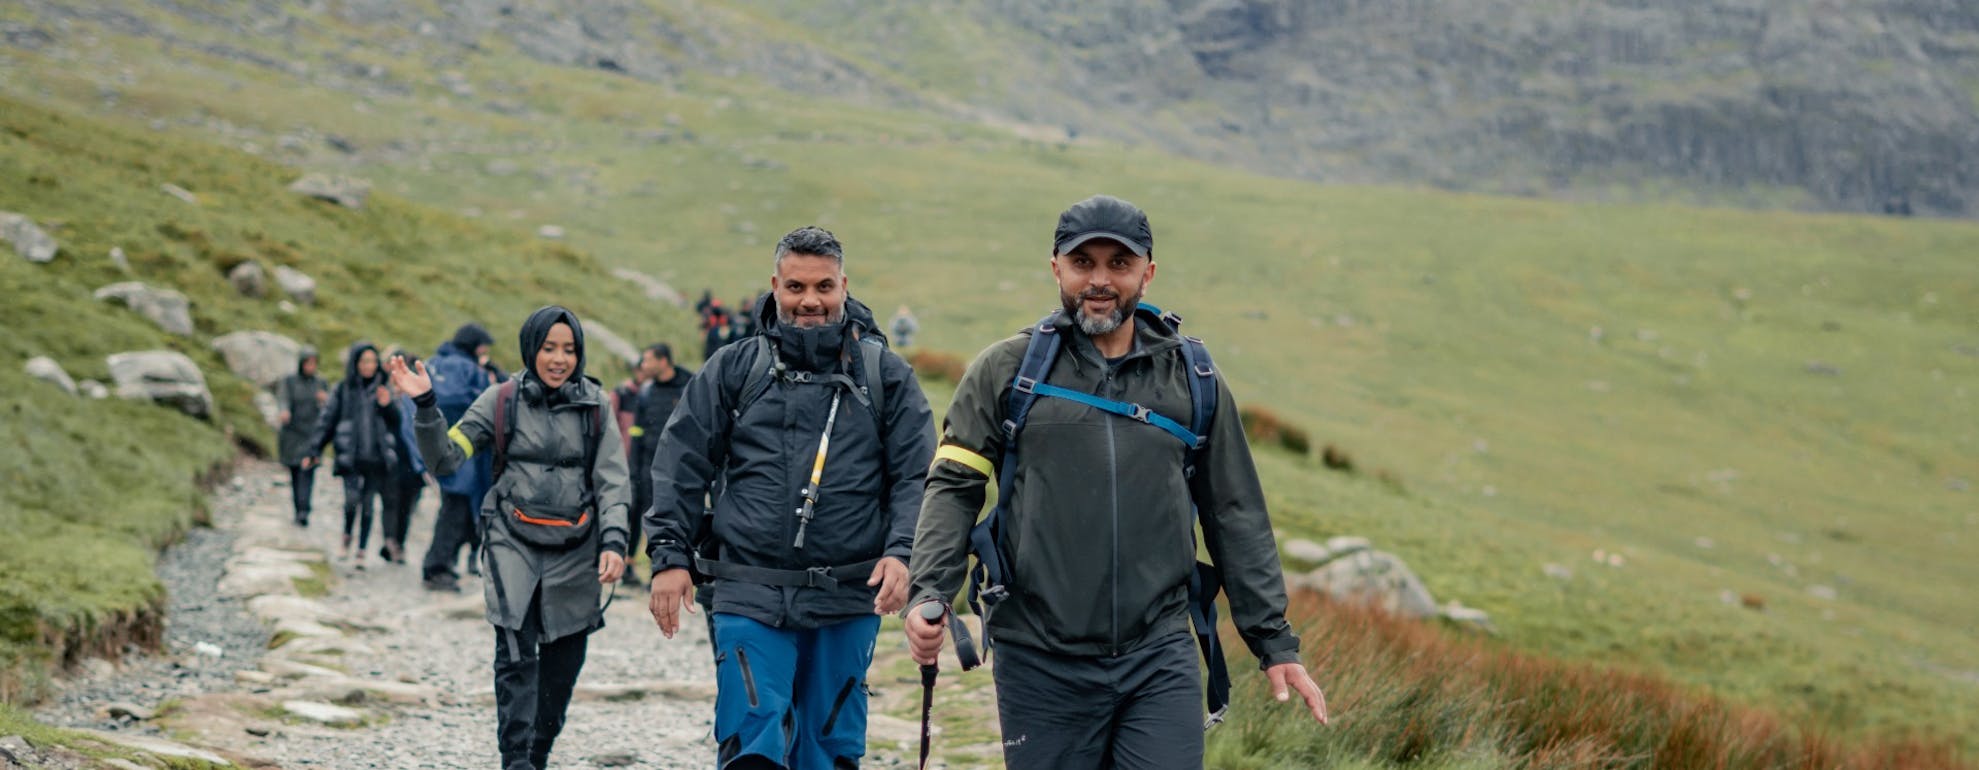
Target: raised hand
[{"x": 410, "y": 380}]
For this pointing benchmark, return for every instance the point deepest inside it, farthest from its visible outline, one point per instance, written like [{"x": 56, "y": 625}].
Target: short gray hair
[{"x": 814, "y": 240}]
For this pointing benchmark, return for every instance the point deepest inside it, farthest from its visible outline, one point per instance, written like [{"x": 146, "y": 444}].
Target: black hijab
[{"x": 537, "y": 329}]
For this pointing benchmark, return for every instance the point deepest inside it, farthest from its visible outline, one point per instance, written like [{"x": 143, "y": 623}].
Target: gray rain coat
[{"x": 545, "y": 465}]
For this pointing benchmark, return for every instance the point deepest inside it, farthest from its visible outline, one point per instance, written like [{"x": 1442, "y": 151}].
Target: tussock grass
[{"x": 1405, "y": 693}]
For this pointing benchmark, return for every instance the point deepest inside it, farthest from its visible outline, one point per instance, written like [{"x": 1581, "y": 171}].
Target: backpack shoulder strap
[
  {"x": 1039, "y": 354},
  {"x": 762, "y": 359},
  {"x": 872, "y": 353},
  {"x": 1202, "y": 395},
  {"x": 504, "y": 424},
  {"x": 594, "y": 438}
]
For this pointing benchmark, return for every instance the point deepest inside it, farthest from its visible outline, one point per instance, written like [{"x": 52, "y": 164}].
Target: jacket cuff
[
  {"x": 426, "y": 399},
  {"x": 904, "y": 554},
  {"x": 1276, "y": 650},
  {"x": 614, "y": 541},
  {"x": 665, "y": 556}
]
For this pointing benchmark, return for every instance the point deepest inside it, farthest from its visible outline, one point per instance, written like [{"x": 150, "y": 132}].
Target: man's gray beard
[
  {"x": 790, "y": 319},
  {"x": 1100, "y": 327}
]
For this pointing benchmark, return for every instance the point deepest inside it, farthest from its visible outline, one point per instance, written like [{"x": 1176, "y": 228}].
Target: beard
[
  {"x": 832, "y": 317},
  {"x": 1101, "y": 325}
]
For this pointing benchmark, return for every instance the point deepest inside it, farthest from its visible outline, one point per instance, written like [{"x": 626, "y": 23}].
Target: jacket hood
[
  {"x": 305, "y": 355},
  {"x": 537, "y": 329},
  {"x": 817, "y": 349},
  {"x": 470, "y": 336},
  {"x": 350, "y": 364}
]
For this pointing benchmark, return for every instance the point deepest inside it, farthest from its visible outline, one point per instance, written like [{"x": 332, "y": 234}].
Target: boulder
[
  {"x": 117, "y": 258},
  {"x": 348, "y": 192},
  {"x": 1306, "y": 551},
  {"x": 656, "y": 289},
  {"x": 1375, "y": 578},
  {"x": 269, "y": 408},
  {"x": 45, "y": 369},
  {"x": 297, "y": 284},
  {"x": 249, "y": 279},
  {"x": 94, "y": 389},
  {"x": 28, "y": 239},
  {"x": 260, "y": 357},
  {"x": 164, "y": 376},
  {"x": 610, "y": 341},
  {"x": 124, "y": 710},
  {"x": 165, "y": 307}
]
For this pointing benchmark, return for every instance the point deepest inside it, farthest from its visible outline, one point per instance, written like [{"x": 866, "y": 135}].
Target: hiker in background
[
  {"x": 744, "y": 323},
  {"x": 664, "y": 383},
  {"x": 716, "y": 329},
  {"x": 1095, "y": 666},
  {"x": 460, "y": 372},
  {"x": 801, "y": 576},
  {"x": 362, "y": 422},
  {"x": 625, "y": 408},
  {"x": 555, "y": 520},
  {"x": 904, "y": 327},
  {"x": 301, "y": 397},
  {"x": 407, "y": 481}
]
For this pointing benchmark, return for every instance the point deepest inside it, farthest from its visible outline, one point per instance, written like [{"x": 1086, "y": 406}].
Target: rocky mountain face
[
  {"x": 1857, "y": 105},
  {"x": 1843, "y": 104}
]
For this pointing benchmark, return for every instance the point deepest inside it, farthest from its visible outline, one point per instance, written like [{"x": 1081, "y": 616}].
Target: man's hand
[
  {"x": 610, "y": 567},
  {"x": 673, "y": 590},
  {"x": 384, "y": 396},
  {"x": 283, "y": 418},
  {"x": 925, "y": 637},
  {"x": 308, "y": 462},
  {"x": 410, "y": 380},
  {"x": 1295, "y": 675},
  {"x": 322, "y": 398},
  {"x": 891, "y": 576}
]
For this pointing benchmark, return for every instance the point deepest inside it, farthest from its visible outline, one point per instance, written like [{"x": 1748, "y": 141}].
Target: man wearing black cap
[{"x": 1095, "y": 664}]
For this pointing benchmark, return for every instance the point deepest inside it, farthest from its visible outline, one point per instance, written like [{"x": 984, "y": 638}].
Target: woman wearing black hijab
[
  {"x": 362, "y": 422},
  {"x": 555, "y": 520}
]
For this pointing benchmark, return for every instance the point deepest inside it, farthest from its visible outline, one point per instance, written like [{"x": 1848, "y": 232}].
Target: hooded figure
[
  {"x": 362, "y": 424},
  {"x": 459, "y": 378},
  {"x": 300, "y": 397},
  {"x": 542, "y": 600}
]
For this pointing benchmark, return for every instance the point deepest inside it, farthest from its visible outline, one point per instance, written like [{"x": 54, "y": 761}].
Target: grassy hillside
[
  {"x": 90, "y": 489},
  {"x": 1772, "y": 407}
]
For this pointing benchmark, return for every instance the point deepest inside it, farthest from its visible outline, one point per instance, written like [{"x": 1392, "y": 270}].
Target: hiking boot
[
  {"x": 441, "y": 584},
  {"x": 345, "y": 552}
]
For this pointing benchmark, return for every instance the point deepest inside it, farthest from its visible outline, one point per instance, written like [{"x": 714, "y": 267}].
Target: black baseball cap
[{"x": 1104, "y": 216}]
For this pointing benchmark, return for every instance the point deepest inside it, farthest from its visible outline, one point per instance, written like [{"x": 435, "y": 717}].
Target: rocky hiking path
[{"x": 279, "y": 654}]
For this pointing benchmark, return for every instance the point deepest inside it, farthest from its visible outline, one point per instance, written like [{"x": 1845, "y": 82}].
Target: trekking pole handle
[{"x": 932, "y": 612}]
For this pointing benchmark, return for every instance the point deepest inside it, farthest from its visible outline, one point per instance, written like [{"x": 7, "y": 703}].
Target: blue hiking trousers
[{"x": 795, "y": 698}]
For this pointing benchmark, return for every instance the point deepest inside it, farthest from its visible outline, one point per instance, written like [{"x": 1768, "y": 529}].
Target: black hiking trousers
[
  {"x": 1139, "y": 711},
  {"x": 533, "y": 682},
  {"x": 402, "y": 494},
  {"x": 363, "y": 488},
  {"x": 302, "y": 484},
  {"x": 455, "y": 526}
]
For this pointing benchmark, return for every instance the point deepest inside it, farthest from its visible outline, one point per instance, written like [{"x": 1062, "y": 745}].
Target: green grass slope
[
  {"x": 89, "y": 490},
  {"x": 1736, "y": 404}
]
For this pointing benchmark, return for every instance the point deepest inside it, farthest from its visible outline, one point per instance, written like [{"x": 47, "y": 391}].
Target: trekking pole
[
  {"x": 808, "y": 509},
  {"x": 932, "y": 613}
]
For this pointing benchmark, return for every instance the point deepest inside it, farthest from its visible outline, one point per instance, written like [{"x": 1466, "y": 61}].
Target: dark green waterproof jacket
[{"x": 1100, "y": 533}]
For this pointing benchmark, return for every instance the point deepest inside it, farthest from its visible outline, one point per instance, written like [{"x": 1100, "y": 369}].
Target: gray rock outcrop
[
  {"x": 164, "y": 376},
  {"x": 259, "y": 357},
  {"x": 597, "y": 332},
  {"x": 249, "y": 279},
  {"x": 297, "y": 284},
  {"x": 28, "y": 239},
  {"x": 655, "y": 289},
  {"x": 165, "y": 307},
  {"x": 1349, "y": 569},
  {"x": 45, "y": 369}
]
